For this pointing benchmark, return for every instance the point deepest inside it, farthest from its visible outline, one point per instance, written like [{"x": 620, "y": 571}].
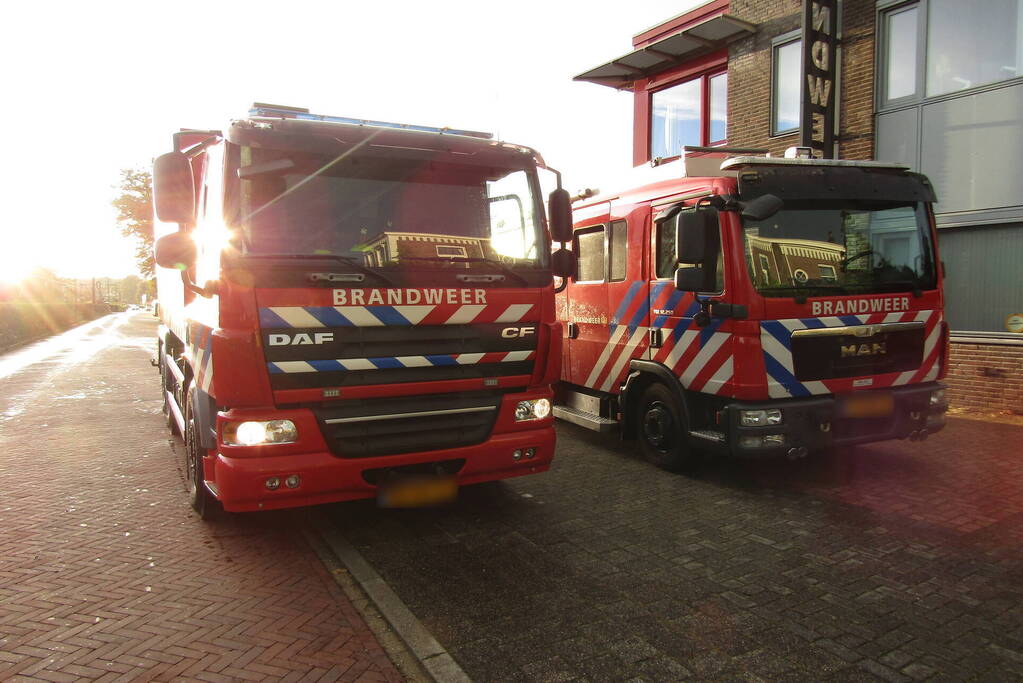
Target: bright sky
[{"x": 91, "y": 88}]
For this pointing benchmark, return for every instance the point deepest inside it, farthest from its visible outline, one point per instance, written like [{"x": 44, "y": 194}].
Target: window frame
[
  {"x": 881, "y": 57},
  {"x": 609, "y": 238},
  {"x": 705, "y": 140},
  {"x": 776, "y": 43},
  {"x": 587, "y": 230}
]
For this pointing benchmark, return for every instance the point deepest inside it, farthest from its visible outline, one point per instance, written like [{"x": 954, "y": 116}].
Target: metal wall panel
[
  {"x": 898, "y": 137},
  {"x": 984, "y": 282},
  {"x": 972, "y": 149}
]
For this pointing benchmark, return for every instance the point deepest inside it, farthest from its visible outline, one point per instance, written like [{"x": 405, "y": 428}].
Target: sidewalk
[{"x": 106, "y": 574}]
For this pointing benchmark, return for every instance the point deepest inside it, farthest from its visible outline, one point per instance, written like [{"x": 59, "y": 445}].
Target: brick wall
[
  {"x": 749, "y": 76},
  {"x": 986, "y": 377}
]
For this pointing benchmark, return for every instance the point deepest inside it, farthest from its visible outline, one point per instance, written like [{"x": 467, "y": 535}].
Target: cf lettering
[{"x": 513, "y": 332}]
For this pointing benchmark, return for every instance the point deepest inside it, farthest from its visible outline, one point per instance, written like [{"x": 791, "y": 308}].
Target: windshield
[
  {"x": 388, "y": 210},
  {"x": 811, "y": 248}
]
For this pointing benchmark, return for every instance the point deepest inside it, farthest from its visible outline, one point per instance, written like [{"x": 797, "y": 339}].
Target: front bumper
[
  {"x": 820, "y": 422},
  {"x": 240, "y": 474}
]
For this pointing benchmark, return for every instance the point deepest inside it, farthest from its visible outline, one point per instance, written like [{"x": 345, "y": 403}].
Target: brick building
[{"x": 935, "y": 84}]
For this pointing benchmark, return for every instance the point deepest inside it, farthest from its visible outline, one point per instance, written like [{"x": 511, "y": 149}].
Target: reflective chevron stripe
[
  {"x": 279, "y": 317},
  {"x": 392, "y": 362}
]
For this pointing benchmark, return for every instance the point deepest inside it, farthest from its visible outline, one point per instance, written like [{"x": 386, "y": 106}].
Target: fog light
[
  {"x": 759, "y": 418},
  {"x": 293, "y": 481},
  {"x": 530, "y": 453},
  {"x": 255, "y": 433},
  {"x": 751, "y": 441},
  {"x": 774, "y": 439},
  {"x": 938, "y": 397},
  {"x": 536, "y": 409},
  {"x": 517, "y": 455},
  {"x": 273, "y": 483}
]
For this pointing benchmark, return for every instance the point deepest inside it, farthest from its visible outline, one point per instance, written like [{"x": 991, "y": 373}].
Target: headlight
[
  {"x": 759, "y": 418},
  {"x": 256, "y": 433},
  {"x": 938, "y": 397},
  {"x": 537, "y": 409}
]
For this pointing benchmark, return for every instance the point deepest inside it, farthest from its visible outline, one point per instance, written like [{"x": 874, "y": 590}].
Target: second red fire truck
[
  {"x": 762, "y": 306},
  {"x": 354, "y": 309}
]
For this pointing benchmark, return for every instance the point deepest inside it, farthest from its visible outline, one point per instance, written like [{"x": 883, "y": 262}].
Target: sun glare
[{"x": 14, "y": 268}]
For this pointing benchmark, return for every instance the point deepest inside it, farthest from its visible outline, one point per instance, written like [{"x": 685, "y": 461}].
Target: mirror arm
[{"x": 206, "y": 292}]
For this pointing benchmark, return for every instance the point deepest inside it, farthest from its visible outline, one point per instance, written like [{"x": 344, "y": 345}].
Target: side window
[
  {"x": 590, "y": 248},
  {"x": 666, "y": 249},
  {"x": 619, "y": 247}
]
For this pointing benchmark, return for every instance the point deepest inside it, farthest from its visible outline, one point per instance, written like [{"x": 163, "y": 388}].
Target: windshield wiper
[
  {"x": 855, "y": 257},
  {"x": 325, "y": 277},
  {"x": 472, "y": 259}
]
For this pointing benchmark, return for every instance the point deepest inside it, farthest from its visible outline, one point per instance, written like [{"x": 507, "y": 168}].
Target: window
[
  {"x": 666, "y": 262},
  {"x": 827, "y": 272},
  {"x": 452, "y": 251},
  {"x": 937, "y": 47},
  {"x": 590, "y": 247},
  {"x": 619, "y": 247},
  {"x": 900, "y": 54},
  {"x": 969, "y": 45},
  {"x": 786, "y": 65},
  {"x": 718, "y": 108},
  {"x": 691, "y": 113}
]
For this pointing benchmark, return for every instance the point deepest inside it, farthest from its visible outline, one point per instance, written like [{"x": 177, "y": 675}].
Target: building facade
[{"x": 934, "y": 84}]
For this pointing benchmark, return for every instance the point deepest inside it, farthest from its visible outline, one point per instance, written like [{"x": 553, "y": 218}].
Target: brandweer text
[
  {"x": 889, "y": 305},
  {"x": 408, "y": 297}
]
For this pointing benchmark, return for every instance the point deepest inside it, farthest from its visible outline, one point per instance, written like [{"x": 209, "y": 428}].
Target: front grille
[
  {"x": 830, "y": 353},
  {"x": 357, "y": 356},
  {"x": 412, "y": 424}
]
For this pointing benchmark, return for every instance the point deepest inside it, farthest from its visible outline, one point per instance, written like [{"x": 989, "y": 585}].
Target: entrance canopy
[{"x": 675, "y": 49}]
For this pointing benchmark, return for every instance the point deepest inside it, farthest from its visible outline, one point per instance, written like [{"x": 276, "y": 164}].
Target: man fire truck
[
  {"x": 354, "y": 309},
  {"x": 765, "y": 306}
]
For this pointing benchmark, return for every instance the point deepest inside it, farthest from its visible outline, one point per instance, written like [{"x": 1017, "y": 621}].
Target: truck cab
[
  {"x": 766, "y": 306},
  {"x": 353, "y": 309}
]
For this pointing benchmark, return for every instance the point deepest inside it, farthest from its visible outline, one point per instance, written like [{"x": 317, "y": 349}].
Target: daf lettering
[
  {"x": 517, "y": 332},
  {"x": 301, "y": 339}
]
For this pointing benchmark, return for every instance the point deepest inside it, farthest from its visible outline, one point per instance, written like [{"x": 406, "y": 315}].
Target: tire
[
  {"x": 662, "y": 430},
  {"x": 199, "y": 497}
]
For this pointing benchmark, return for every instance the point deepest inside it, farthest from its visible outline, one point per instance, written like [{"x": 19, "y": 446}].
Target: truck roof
[{"x": 295, "y": 122}]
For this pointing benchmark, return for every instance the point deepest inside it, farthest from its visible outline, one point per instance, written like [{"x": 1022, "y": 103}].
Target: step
[{"x": 585, "y": 419}]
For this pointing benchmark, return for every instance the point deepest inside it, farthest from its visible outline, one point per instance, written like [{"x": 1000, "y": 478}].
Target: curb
[{"x": 435, "y": 661}]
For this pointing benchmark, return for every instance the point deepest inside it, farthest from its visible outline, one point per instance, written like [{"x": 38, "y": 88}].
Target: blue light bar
[{"x": 279, "y": 112}]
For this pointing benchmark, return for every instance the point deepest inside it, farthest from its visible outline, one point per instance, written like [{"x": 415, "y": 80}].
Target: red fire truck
[
  {"x": 354, "y": 309},
  {"x": 764, "y": 306}
]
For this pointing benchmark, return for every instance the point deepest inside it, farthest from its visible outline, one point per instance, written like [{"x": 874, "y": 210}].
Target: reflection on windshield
[
  {"x": 388, "y": 211},
  {"x": 869, "y": 247}
]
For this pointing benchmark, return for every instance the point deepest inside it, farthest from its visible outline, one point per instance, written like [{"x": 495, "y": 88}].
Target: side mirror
[
  {"x": 563, "y": 263},
  {"x": 695, "y": 234},
  {"x": 559, "y": 206},
  {"x": 173, "y": 188},
  {"x": 176, "y": 250},
  {"x": 762, "y": 207},
  {"x": 695, "y": 279}
]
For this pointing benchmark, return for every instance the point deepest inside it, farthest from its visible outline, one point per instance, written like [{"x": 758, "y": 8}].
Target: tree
[{"x": 135, "y": 215}]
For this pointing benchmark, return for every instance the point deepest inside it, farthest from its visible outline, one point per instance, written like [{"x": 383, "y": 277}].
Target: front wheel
[
  {"x": 662, "y": 430},
  {"x": 201, "y": 499}
]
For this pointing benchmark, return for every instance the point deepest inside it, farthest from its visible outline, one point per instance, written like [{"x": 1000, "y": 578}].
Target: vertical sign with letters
[{"x": 820, "y": 68}]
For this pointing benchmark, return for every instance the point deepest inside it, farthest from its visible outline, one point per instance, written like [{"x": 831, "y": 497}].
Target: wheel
[
  {"x": 201, "y": 499},
  {"x": 662, "y": 429}
]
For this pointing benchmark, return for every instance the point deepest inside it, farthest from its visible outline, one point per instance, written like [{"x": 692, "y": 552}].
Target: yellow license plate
[
  {"x": 868, "y": 405},
  {"x": 417, "y": 492}
]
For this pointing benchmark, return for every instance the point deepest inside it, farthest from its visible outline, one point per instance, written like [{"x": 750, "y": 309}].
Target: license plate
[
  {"x": 874, "y": 404},
  {"x": 417, "y": 492}
]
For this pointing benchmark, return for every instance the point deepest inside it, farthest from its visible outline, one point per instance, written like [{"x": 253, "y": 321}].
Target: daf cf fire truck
[
  {"x": 765, "y": 306},
  {"x": 354, "y": 309}
]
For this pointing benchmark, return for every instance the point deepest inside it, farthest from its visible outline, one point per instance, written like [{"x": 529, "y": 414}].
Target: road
[
  {"x": 896, "y": 561},
  {"x": 105, "y": 572}
]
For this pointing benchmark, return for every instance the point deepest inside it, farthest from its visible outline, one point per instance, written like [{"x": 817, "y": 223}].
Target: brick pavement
[
  {"x": 896, "y": 561},
  {"x": 104, "y": 571}
]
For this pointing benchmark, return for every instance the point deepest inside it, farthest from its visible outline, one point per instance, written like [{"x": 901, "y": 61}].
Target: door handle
[{"x": 573, "y": 331}]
